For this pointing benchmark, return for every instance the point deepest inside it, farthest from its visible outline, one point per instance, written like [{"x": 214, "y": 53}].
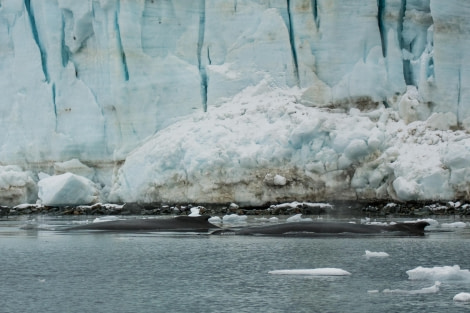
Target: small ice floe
[
  {"x": 234, "y": 219},
  {"x": 370, "y": 254},
  {"x": 462, "y": 297},
  {"x": 215, "y": 220},
  {"x": 441, "y": 273},
  {"x": 298, "y": 218},
  {"x": 327, "y": 271},
  {"x": 433, "y": 289},
  {"x": 432, "y": 222},
  {"x": 454, "y": 225},
  {"x": 105, "y": 219},
  {"x": 267, "y": 220},
  {"x": 195, "y": 212}
]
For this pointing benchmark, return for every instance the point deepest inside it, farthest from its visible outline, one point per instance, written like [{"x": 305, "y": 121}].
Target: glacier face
[{"x": 102, "y": 81}]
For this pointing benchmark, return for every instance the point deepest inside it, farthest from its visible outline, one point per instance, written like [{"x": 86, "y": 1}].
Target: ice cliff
[{"x": 237, "y": 100}]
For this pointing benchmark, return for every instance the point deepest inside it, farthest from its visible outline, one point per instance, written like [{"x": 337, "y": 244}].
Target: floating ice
[
  {"x": 298, "y": 218},
  {"x": 454, "y": 225},
  {"x": 234, "y": 219},
  {"x": 105, "y": 219},
  {"x": 312, "y": 272},
  {"x": 441, "y": 273},
  {"x": 462, "y": 297},
  {"x": 433, "y": 289},
  {"x": 370, "y": 254}
]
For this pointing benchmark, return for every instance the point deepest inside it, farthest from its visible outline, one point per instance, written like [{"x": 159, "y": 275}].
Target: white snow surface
[
  {"x": 235, "y": 101},
  {"x": 439, "y": 273},
  {"x": 326, "y": 271}
]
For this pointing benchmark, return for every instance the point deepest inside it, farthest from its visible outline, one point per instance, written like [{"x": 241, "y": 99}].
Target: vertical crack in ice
[
  {"x": 380, "y": 21},
  {"x": 235, "y": 4},
  {"x": 54, "y": 105},
  {"x": 292, "y": 43},
  {"x": 459, "y": 90},
  {"x": 35, "y": 33},
  {"x": 209, "y": 60},
  {"x": 407, "y": 71},
  {"x": 316, "y": 17},
  {"x": 65, "y": 52},
  {"x": 119, "y": 43},
  {"x": 200, "y": 42}
]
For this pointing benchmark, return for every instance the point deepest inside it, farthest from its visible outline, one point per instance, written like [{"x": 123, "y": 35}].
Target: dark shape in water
[
  {"x": 179, "y": 224},
  {"x": 307, "y": 229}
]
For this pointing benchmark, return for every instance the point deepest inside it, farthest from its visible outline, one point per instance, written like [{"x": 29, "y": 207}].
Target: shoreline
[{"x": 332, "y": 208}]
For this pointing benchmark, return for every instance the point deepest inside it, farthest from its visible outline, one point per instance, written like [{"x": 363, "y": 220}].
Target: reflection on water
[{"x": 44, "y": 270}]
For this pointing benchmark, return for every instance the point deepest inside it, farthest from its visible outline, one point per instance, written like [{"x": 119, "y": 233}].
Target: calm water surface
[{"x": 49, "y": 271}]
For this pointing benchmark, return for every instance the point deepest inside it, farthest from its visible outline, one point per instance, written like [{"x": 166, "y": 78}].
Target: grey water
[{"x": 51, "y": 271}]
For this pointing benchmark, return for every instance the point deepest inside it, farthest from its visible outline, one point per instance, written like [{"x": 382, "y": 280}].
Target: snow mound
[
  {"x": 441, "y": 273},
  {"x": 67, "y": 189},
  {"x": 312, "y": 272},
  {"x": 462, "y": 297},
  {"x": 370, "y": 254}
]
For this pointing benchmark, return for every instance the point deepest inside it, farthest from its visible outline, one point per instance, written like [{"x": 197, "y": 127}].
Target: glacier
[{"x": 247, "y": 101}]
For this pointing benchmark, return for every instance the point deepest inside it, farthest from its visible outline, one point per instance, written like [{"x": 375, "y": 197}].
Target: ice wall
[{"x": 93, "y": 79}]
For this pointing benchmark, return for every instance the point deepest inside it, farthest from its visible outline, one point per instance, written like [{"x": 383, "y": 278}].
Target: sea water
[{"x": 43, "y": 270}]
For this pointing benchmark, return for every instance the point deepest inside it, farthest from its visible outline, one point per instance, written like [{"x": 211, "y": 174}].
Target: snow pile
[
  {"x": 370, "y": 254},
  {"x": 462, "y": 297},
  {"x": 441, "y": 273},
  {"x": 433, "y": 289},
  {"x": 312, "y": 272},
  {"x": 67, "y": 189},
  {"x": 243, "y": 150}
]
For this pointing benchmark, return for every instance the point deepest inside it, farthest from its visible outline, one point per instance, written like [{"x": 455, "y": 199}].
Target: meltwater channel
[{"x": 50, "y": 271}]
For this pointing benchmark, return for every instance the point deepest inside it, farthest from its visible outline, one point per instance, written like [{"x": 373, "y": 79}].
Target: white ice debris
[
  {"x": 195, "y": 212},
  {"x": 433, "y": 289},
  {"x": 370, "y": 254},
  {"x": 67, "y": 189},
  {"x": 454, "y": 225},
  {"x": 298, "y": 218},
  {"x": 462, "y": 297},
  {"x": 234, "y": 219},
  {"x": 105, "y": 219},
  {"x": 312, "y": 272}
]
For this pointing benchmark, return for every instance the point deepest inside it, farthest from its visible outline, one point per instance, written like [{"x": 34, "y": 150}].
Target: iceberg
[{"x": 237, "y": 101}]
